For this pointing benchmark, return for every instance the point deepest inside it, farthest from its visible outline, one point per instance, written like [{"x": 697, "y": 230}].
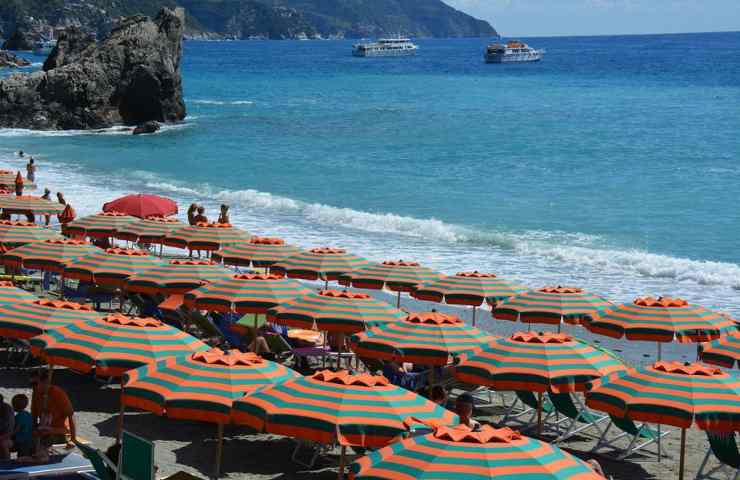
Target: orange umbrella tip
[
  {"x": 344, "y": 377},
  {"x": 475, "y": 274},
  {"x": 400, "y": 263},
  {"x": 661, "y": 302},
  {"x": 541, "y": 337},
  {"x": 561, "y": 290},
  {"x": 482, "y": 435},
  {"x": 688, "y": 368},
  {"x": 231, "y": 358},
  {"x": 123, "y": 320},
  {"x": 63, "y": 305},
  {"x": 344, "y": 294},
  {"x": 266, "y": 241},
  {"x": 328, "y": 251},
  {"x": 130, "y": 252},
  {"x": 434, "y": 318}
]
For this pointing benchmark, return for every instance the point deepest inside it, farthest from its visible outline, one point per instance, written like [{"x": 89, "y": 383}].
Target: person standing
[
  {"x": 7, "y": 427},
  {"x": 52, "y": 414},
  {"x": 191, "y": 213},
  {"x": 223, "y": 217},
  {"x": 31, "y": 170},
  {"x": 19, "y": 184}
]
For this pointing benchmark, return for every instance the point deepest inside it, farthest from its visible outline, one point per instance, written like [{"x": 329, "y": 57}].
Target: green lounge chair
[
  {"x": 525, "y": 404},
  {"x": 724, "y": 448},
  {"x": 105, "y": 469},
  {"x": 136, "y": 461},
  {"x": 578, "y": 418},
  {"x": 640, "y": 436}
]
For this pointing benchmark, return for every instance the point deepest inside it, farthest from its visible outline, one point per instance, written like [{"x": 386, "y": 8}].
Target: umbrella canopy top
[
  {"x": 397, "y": 276},
  {"x": 177, "y": 277},
  {"x": 724, "y": 351},
  {"x": 111, "y": 266},
  {"x": 102, "y": 225},
  {"x": 537, "y": 362},
  {"x": 9, "y": 293},
  {"x": 363, "y": 409},
  {"x": 324, "y": 263},
  {"x": 28, "y": 203},
  {"x": 460, "y": 452},
  {"x": 49, "y": 255},
  {"x": 671, "y": 393},
  {"x": 25, "y": 320},
  {"x": 661, "y": 319},
  {"x": 245, "y": 293},
  {"x": 15, "y": 233},
  {"x": 206, "y": 236},
  {"x": 428, "y": 338},
  {"x": 468, "y": 288},
  {"x": 201, "y": 386},
  {"x": 149, "y": 230},
  {"x": 551, "y": 305},
  {"x": 259, "y": 252},
  {"x": 113, "y": 344},
  {"x": 335, "y": 311},
  {"x": 142, "y": 205}
]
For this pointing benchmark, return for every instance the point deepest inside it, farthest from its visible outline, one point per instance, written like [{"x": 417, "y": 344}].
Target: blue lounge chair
[
  {"x": 58, "y": 465},
  {"x": 640, "y": 436},
  {"x": 724, "y": 448}
]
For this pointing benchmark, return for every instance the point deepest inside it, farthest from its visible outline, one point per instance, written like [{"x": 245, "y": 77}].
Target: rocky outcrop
[
  {"x": 7, "y": 59},
  {"x": 18, "y": 41},
  {"x": 70, "y": 45},
  {"x": 146, "y": 128},
  {"x": 131, "y": 77}
]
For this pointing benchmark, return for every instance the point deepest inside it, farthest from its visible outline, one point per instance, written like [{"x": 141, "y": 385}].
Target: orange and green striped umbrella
[
  {"x": 201, "y": 386},
  {"x": 206, "y": 236},
  {"x": 112, "y": 266},
  {"x": 320, "y": 264},
  {"x": 397, "y": 276},
  {"x": 25, "y": 320},
  {"x": 359, "y": 410},
  {"x": 334, "y": 311},
  {"x": 468, "y": 288},
  {"x": 149, "y": 230},
  {"x": 460, "y": 453},
  {"x": 49, "y": 255},
  {"x": 660, "y": 320},
  {"x": 260, "y": 252},
  {"x": 7, "y": 179},
  {"x": 724, "y": 351},
  {"x": 177, "y": 277},
  {"x": 672, "y": 393},
  {"x": 113, "y": 344},
  {"x": 15, "y": 234},
  {"x": 537, "y": 362},
  {"x": 29, "y": 203},
  {"x": 9, "y": 293},
  {"x": 246, "y": 293},
  {"x": 100, "y": 225},
  {"x": 551, "y": 305},
  {"x": 429, "y": 338}
]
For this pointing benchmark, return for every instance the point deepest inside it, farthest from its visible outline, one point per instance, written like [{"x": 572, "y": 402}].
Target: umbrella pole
[
  {"x": 539, "y": 413},
  {"x": 121, "y": 412},
  {"x": 398, "y": 301},
  {"x": 660, "y": 436},
  {"x": 683, "y": 453},
  {"x": 475, "y": 309},
  {"x": 342, "y": 461},
  {"x": 219, "y": 451}
]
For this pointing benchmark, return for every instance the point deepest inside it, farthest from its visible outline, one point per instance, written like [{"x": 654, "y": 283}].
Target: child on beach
[{"x": 23, "y": 433}]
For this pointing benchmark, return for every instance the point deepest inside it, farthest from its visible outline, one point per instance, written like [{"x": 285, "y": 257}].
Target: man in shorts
[{"x": 52, "y": 413}]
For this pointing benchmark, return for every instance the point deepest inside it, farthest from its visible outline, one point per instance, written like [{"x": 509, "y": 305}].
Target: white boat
[
  {"x": 513, "y": 51},
  {"x": 385, "y": 47}
]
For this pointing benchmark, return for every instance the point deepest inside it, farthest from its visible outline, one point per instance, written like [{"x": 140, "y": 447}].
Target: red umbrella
[{"x": 142, "y": 206}]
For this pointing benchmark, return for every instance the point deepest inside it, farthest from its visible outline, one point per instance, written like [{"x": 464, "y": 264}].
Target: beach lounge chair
[
  {"x": 724, "y": 448},
  {"x": 301, "y": 355},
  {"x": 58, "y": 465},
  {"x": 523, "y": 410},
  {"x": 315, "y": 450},
  {"x": 578, "y": 418},
  {"x": 640, "y": 436},
  {"x": 105, "y": 469}
]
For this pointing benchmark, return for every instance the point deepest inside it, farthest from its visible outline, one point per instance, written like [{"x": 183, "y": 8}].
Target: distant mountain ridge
[{"x": 243, "y": 19}]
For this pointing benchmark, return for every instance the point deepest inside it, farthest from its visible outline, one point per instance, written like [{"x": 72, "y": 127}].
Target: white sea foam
[
  {"x": 117, "y": 130},
  {"x": 220, "y": 102}
]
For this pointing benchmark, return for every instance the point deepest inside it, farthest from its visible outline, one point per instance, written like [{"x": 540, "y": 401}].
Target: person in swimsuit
[
  {"x": 201, "y": 216},
  {"x": 31, "y": 170},
  {"x": 224, "y": 216},
  {"x": 191, "y": 213}
]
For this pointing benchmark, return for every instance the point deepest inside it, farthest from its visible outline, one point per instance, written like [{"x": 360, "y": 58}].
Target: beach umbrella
[
  {"x": 112, "y": 266},
  {"x": 460, "y": 452},
  {"x": 8, "y": 177},
  {"x": 428, "y": 338},
  {"x": 672, "y": 393},
  {"x": 149, "y": 230},
  {"x": 551, "y": 305},
  {"x": 176, "y": 277},
  {"x": 202, "y": 386},
  {"x": 260, "y": 252},
  {"x": 353, "y": 410},
  {"x": 335, "y": 311},
  {"x": 113, "y": 344},
  {"x": 49, "y": 255},
  {"x": 245, "y": 293},
  {"x": 100, "y": 225},
  {"x": 15, "y": 234},
  {"x": 13, "y": 204},
  {"x": 468, "y": 288},
  {"x": 25, "y": 320},
  {"x": 325, "y": 264},
  {"x": 206, "y": 236},
  {"x": 723, "y": 351},
  {"x": 9, "y": 293},
  {"x": 396, "y": 276},
  {"x": 537, "y": 362},
  {"x": 661, "y": 320},
  {"x": 142, "y": 205}
]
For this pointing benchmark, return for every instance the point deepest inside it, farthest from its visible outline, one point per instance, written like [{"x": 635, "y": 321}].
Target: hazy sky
[{"x": 599, "y": 17}]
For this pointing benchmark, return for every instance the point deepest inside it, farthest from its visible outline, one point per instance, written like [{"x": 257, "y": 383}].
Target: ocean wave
[
  {"x": 116, "y": 130},
  {"x": 220, "y": 102}
]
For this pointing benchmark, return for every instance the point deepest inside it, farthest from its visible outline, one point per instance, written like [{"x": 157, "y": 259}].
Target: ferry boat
[
  {"x": 513, "y": 51},
  {"x": 385, "y": 47}
]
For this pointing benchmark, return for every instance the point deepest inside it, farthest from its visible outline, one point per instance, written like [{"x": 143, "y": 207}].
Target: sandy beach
[{"x": 190, "y": 446}]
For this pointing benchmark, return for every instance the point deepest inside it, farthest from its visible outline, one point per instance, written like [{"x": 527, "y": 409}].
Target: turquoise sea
[{"x": 614, "y": 164}]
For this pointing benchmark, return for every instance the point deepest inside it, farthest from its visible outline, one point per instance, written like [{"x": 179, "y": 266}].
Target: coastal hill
[{"x": 25, "y": 21}]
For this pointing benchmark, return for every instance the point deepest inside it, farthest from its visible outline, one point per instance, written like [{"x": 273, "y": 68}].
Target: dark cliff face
[{"x": 131, "y": 77}]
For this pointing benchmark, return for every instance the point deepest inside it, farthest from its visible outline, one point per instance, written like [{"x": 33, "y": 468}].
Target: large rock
[
  {"x": 18, "y": 41},
  {"x": 70, "y": 44},
  {"x": 7, "y": 59},
  {"x": 131, "y": 77}
]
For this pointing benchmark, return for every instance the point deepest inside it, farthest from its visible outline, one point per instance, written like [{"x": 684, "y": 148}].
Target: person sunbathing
[{"x": 201, "y": 216}]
